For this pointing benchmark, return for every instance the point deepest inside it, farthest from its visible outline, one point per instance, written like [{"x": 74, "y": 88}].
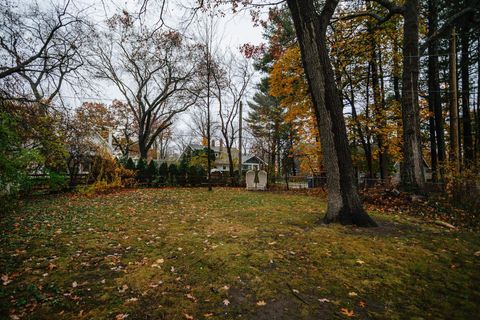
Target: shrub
[
  {"x": 193, "y": 177},
  {"x": 202, "y": 174},
  {"x": 126, "y": 176},
  {"x": 142, "y": 170},
  {"x": 57, "y": 182},
  {"x": 463, "y": 188},
  {"x": 107, "y": 175},
  {"x": 151, "y": 171},
  {"x": 130, "y": 165},
  {"x": 162, "y": 175},
  {"x": 99, "y": 187},
  {"x": 14, "y": 159},
  {"x": 172, "y": 173},
  {"x": 182, "y": 173},
  {"x": 103, "y": 168}
]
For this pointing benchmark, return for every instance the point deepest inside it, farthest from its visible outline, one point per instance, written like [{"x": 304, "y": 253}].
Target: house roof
[{"x": 223, "y": 156}]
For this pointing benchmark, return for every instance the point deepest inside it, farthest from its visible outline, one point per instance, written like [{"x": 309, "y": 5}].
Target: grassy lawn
[{"x": 190, "y": 254}]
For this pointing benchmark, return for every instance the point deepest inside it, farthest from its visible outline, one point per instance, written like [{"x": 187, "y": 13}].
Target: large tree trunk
[
  {"x": 454, "y": 154},
  {"x": 466, "y": 119},
  {"x": 434, "y": 98},
  {"x": 344, "y": 204},
  {"x": 231, "y": 169},
  {"x": 142, "y": 147},
  {"x": 412, "y": 167}
]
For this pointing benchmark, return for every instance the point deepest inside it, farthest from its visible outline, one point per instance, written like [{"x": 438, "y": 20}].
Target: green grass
[{"x": 180, "y": 253}]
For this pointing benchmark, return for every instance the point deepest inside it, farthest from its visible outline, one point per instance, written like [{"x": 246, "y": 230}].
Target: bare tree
[
  {"x": 40, "y": 50},
  {"x": 153, "y": 69},
  {"x": 198, "y": 121},
  {"x": 231, "y": 78}
]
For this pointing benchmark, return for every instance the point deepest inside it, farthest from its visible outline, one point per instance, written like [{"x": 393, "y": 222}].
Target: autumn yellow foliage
[{"x": 288, "y": 83}]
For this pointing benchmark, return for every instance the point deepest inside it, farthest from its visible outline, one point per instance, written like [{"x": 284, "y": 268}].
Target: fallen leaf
[
  {"x": 323, "y": 300},
  {"x": 208, "y": 315},
  {"x": 74, "y": 284},
  {"x": 123, "y": 288},
  {"x": 261, "y": 303},
  {"x": 188, "y": 317},
  {"x": 346, "y": 312},
  {"x": 362, "y": 304},
  {"x": 360, "y": 262},
  {"x": 352, "y": 294},
  {"x": 5, "y": 279},
  {"x": 477, "y": 254},
  {"x": 226, "y": 302},
  {"x": 191, "y": 297},
  {"x": 121, "y": 316}
]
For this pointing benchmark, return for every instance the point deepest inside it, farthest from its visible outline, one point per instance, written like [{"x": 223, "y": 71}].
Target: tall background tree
[{"x": 150, "y": 68}]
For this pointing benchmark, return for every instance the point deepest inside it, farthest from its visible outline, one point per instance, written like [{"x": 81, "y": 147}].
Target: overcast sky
[{"x": 234, "y": 30}]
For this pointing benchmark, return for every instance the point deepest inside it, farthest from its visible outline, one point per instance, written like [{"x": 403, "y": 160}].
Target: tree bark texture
[
  {"x": 344, "y": 204},
  {"x": 412, "y": 167}
]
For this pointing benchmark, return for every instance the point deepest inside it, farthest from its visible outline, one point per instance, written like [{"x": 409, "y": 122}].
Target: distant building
[{"x": 221, "y": 164}]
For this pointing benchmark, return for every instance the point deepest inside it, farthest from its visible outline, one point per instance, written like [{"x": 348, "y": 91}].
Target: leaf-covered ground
[{"x": 228, "y": 254}]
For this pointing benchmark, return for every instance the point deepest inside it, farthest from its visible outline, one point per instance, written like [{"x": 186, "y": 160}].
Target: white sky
[{"x": 234, "y": 30}]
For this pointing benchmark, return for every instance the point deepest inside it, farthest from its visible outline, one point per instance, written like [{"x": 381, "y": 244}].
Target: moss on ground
[{"x": 181, "y": 253}]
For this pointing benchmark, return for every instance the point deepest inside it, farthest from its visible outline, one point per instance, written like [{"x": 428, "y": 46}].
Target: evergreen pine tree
[
  {"x": 163, "y": 174},
  {"x": 172, "y": 173},
  {"x": 151, "y": 171},
  {"x": 130, "y": 165}
]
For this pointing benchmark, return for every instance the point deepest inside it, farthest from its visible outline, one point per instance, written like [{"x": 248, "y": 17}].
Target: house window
[{"x": 224, "y": 167}]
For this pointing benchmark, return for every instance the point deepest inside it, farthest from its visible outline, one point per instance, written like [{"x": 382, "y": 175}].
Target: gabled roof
[{"x": 223, "y": 156}]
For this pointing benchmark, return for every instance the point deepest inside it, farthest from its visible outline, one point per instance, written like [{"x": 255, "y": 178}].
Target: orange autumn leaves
[{"x": 289, "y": 85}]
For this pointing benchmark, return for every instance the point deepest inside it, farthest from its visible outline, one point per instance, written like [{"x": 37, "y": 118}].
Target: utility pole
[
  {"x": 209, "y": 162},
  {"x": 240, "y": 174}
]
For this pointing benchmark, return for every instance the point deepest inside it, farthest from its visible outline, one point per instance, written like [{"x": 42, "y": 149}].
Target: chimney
[
  {"x": 110, "y": 138},
  {"x": 221, "y": 145},
  {"x": 213, "y": 143}
]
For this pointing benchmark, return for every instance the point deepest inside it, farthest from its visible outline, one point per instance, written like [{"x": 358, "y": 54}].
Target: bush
[
  {"x": 151, "y": 171},
  {"x": 103, "y": 169},
  {"x": 142, "y": 170},
  {"x": 130, "y": 165},
  {"x": 14, "y": 159},
  {"x": 57, "y": 182},
  {"x": 107, "y": 175},
  {"x": 193, "y": 177},
  {"x": 182, "y": 174},
  {"x": 126, "y": 176},
  {"x": 162, "y": 175},
  {"x": 172, "y": 174},
  {"x": 202, "y": 174},
  {"x": 463, "y": 188},
  {"x": 99, "y": 187}
]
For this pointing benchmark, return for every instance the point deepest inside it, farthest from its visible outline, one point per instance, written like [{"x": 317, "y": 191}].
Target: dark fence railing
[{"x": 45, "y": 182}]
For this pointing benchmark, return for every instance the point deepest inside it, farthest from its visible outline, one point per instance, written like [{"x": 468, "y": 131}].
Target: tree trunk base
[{"x": 356, "y": 217}]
